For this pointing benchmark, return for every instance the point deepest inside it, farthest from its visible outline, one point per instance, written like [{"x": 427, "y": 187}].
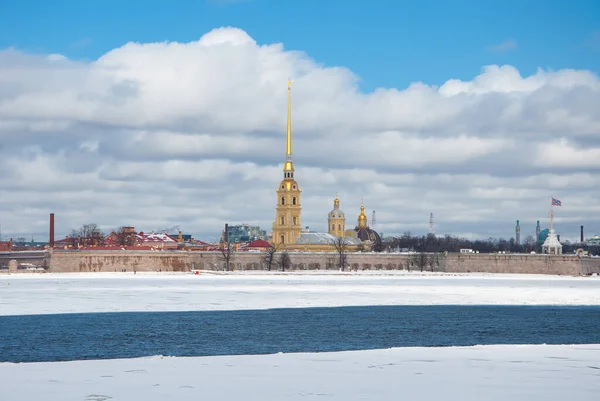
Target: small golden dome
[{"x": 362, "y": 218}]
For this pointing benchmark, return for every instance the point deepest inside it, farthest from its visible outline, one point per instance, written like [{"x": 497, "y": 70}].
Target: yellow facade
[
  {"x": 336, "y": 220},
  {"x": 287, "y": 227},
  {"x": 287, "y": 224}
]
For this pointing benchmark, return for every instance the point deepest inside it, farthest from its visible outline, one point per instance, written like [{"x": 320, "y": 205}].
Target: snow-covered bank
[
  {"x": 98, "y": 292},
  {"x": 515, "y": 373}
]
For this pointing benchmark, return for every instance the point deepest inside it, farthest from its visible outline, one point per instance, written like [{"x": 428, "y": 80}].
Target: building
[
  {"x": 336, "y": 220},
  {"x": 594, "y": 241},
  {"x": 258, "y": 245},
  {"x": 543, "y": 235},
  {"x": 551, "y": 244},
  {"x": 244, "y": 233},
  {"x": 362, "y": 230},
  {"x": 287, "y": 228}
]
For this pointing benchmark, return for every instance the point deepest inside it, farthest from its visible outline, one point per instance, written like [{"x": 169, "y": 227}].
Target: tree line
[{"x": 448, "y": 243}]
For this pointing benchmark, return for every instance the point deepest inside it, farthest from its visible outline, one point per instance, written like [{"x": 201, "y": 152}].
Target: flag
[{"x": 556, "y": 202}]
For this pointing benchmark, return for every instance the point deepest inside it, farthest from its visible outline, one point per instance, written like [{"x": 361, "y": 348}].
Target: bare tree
[
  {"x": 87, "y": 234},
  {"x": 89, "y": 231},
  {"x": 124, "y": 236},
  {"x": 268, "y": 257},
  {"x": 285, "y": 262},
  {"x": 227, "y": 251},
  {"x": 420, "y": 260},
  {"x": 378, "y": 245},
  {"x": 75, "y": 237},
  {"x": 341, "y": 248},
  {"x": 529, "y": 244}
]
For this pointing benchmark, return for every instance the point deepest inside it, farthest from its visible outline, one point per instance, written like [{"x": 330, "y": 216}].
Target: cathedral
[{"x": 288, "y": 232}]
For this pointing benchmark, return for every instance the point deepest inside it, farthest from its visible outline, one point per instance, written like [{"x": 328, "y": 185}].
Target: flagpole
[{"x": 551, "y": 214}]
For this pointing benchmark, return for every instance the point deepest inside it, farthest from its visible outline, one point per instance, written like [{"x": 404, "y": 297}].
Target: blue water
[{"x": 62, "y": 337}]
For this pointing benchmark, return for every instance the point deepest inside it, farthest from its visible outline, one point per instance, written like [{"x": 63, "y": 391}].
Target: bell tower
[
  {"x": 336, "y": 220},
  {"x": 287, "y": 226}
]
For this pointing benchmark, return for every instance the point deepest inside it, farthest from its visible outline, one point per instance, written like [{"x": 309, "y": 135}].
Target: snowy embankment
[
  {"x": 515, "y": 373},
  {"x": 119, "y": 292}
]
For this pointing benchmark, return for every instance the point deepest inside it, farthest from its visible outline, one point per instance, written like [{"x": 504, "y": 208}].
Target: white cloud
[
  {"x": 505, "y": 46},
  {"x": 159, "y": 134}
]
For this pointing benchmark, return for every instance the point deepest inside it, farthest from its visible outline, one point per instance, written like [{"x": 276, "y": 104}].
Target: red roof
[{"x": 259, "y": 243}]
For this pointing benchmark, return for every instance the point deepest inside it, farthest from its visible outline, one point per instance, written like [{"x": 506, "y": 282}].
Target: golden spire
[
  {"x": 336, "y": 202},
  {"x": 288, "y": 167}
]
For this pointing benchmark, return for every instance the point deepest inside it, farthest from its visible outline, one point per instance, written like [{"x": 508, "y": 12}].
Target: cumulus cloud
[{"x": 192, "y": 134}]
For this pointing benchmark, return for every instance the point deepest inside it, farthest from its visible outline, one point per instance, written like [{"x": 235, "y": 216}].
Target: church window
[
  {"x": 333, "y": 227},
  {"x": 339, "y": 227},
  {"x": 283, "y": 187},
  {"x": 282, "y": 220},
  {"x": 282, "y": 200},
  {"x": 282, "y": 239},
  {"x": 294, "y": 186},
  {"x": 294, "y": 200},
  {"x": 294, "y": 220}
]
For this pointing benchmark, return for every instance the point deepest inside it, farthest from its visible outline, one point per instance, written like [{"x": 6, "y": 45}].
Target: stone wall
[
  {"x": 116, "y": 261},
  {"x": 24, "y": 259},
  {"x": 590, "y": 265},
  {"x": 513, "y": 263}
]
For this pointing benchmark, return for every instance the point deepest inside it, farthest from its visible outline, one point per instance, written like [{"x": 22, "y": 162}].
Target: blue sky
[
  {"x": 479, "y": 154},
  {"x": 387, "y": 43}
]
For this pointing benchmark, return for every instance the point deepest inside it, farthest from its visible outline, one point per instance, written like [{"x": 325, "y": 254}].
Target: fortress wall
[
  {"x": 111, "y": 261},
  {"x": 507, "y": 263},
  {"x": 590, "y": 265}
]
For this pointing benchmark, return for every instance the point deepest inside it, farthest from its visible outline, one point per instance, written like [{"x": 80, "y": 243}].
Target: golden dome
[
  {"x": 288, "y": 166},
  {"x": 362, "y": 218}
]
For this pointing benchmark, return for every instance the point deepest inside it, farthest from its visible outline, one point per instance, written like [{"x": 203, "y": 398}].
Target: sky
[{"x": 162, "y": 114}]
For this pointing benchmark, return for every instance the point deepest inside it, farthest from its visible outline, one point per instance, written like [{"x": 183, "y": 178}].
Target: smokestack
[
  {"x": 582, "y": 238},
  {"x": 51, "y": 242},
  {"x": 226, "y": 234},
  {"x": 518, "y": 233}
]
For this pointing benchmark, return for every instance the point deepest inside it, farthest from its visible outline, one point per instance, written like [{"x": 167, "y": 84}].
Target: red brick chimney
[{"x": 51, "y": 242}]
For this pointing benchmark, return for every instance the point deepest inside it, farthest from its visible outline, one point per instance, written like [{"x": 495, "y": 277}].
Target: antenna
[
  {"x": 373, "y": 221},
  {"x": 431, "y": 229}
]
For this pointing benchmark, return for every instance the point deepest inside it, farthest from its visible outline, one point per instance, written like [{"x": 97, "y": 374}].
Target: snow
[
  {"x": 118, "y": 292},
  {"x": 515, "y": 373}
]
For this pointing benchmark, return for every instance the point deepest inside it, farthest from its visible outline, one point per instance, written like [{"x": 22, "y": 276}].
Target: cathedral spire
[{"x": 288, "y": 167}]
